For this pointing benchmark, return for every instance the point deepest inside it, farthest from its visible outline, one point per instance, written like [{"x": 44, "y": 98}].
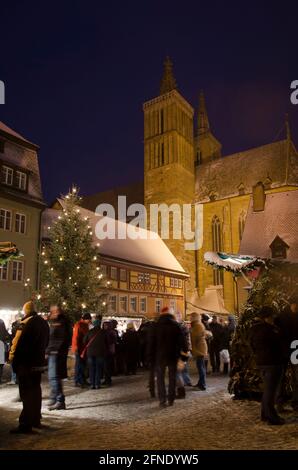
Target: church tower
[
  {"x": 169, "y": 157},
  {"x": 207, "y": 147}
]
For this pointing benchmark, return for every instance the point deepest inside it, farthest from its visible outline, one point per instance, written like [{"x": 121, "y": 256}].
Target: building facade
[
  {"x": 143, "y": 275},
  {"x": 21, "y": 204}
]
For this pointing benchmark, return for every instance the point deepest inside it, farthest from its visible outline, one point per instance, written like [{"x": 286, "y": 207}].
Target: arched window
[
  {"x": 217, "y": 246},
  {"x": 241, "y": 224}
]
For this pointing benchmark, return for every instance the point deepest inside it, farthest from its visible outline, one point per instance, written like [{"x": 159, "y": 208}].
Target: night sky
[{"x": 77, "y": 73}]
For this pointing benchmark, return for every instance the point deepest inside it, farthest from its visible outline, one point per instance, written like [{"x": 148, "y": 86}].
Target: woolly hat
[
  {"x": 28, "y": 308},
  {"x": 86, "y": 316},
  {"x": 165, "y": 310}
]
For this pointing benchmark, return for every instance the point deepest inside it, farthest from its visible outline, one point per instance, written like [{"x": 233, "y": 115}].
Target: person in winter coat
[
  {"x": 28, "y": 360},
  {"x": 81, "y": 328},
  {"x": 131, "y": 349},
  {"x": 266, "y": 342},
  {"x": 216, "y": 330},
  {"x": 112, "y": 338},
  {"x": 4, "y": 337},
  {"x": 14, "y": 328},
  {"x": 96, "y": 350},
  {"x": 205, "y": 320},
  {"x": 167, "y": 342},
  {"x": 150, "y": 356},
  {"x": 57, "y": 350},
  {"x": 224, "y": 348},
  {"x": 199, "y": 348},
  {"x": 183, "y": 378},
  {"x": 287, "y": 321}
]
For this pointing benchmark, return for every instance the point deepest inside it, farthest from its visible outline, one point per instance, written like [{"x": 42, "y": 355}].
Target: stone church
[{"x": 184, "y": 164}]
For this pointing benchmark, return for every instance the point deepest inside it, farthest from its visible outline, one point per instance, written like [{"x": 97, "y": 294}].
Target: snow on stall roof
[
  {"x": 280, "y": 218},
  {"x": 150, "y": 251}
]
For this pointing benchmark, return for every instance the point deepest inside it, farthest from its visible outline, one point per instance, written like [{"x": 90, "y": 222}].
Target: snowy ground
[{"x": 124, "y": 417}]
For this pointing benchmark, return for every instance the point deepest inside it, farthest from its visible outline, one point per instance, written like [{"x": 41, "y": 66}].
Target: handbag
[{"x": 84, "y": 352}]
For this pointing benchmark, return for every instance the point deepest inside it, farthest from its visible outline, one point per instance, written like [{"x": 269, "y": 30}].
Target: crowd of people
[
  {"x": 162, "y": 345},
  {"x": 39, "y": 344}
]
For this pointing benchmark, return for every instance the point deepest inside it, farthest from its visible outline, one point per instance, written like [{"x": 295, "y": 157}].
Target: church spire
[
  {"x": 203, "y": 121},
  {"x": 168, "y": 82}
]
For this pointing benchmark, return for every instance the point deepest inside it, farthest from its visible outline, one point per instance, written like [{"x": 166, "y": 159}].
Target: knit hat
[
  {"x": 165, "y": 310},
  {"x": 28, "y": 308}
]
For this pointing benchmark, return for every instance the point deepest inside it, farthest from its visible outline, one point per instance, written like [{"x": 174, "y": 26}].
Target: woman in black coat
[{"x": 131, "y": 349}]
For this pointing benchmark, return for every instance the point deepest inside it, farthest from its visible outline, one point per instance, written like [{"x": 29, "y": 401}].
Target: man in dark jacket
[
  {"x": 167, "y": 342},
  {"x": 287, "y": 322},
  {"x": 57, "y": 350},
  {"x": 28, "y": 361},
  {"x": 215, "y": 344},
  {"x": 267, "y": 345},
  {"x": 96, "y": 350}
]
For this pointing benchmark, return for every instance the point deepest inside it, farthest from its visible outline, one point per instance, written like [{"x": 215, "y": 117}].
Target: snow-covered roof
[
  {"x": 280, "y": 218},
  {"x": 8, "y": 130},
  {"x": 149, "y": 251}
]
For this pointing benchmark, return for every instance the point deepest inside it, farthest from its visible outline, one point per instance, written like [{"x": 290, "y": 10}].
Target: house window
[
  {"x": 158, "y": 305},
  {"x": 20, "y": 223},
  {"x": 21, "y": 180},
  {"x": 241, "y": 224},
  {"x": 144, "y": 278},
  {"x": 217, "y": 246},
  {"x": 7, "y": 175},
  {"x": 17, "y": 271},
  {"x": 143, "y": 304},
  {"x": 173, "y": 306},
  {"x": 114, "y": 273},
  {"x": 123, "y": 275},
  {"x": 4, "y": 272},
  {"x": 180, "y": 283},
  {"x": 104, "y": 269},
  {"x": 5, "y": 219},
  {"x": 113, "y": 303},
  {"x": 174, "y": 282},
  {"x": 133, "y": 304},
  {"x": 123, "y": 304}
]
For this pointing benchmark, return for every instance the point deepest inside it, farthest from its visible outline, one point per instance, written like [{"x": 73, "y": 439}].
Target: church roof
[
  {"x": 149, "y": 251},
  {"x": 280, "y": 218},
  {"x": 237, "y": 173}
]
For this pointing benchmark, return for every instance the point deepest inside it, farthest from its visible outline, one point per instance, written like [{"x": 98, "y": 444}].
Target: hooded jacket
[{"x": 198, "y": 339}]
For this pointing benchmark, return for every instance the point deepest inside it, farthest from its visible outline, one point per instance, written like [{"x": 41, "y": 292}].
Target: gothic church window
[
  {"x": 241, "y": 224},
  {"x": 217, "y": 246}
]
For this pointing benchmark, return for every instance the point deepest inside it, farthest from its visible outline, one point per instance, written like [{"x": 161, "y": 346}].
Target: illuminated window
[
  {"x": 4, "y": 272},
  {"x": 123, "y": 303},
  {"x": 21, "y": 180},
  {"x": 20, "y": 223},
  {"x": 114, "y": 273},
  {"x": 7, "y": 175},
  {"x": 133, "y": 304},
  {"x": 17, "y": 271},
  {"x": 5, "y": 219},
  {"x": 123, "y": 275},
  {"x": 158, "y": 305},
  {"x": 144, "y": 278},
  {"x": 113, "y": 303},
  {"x": 143, "y": 304}
]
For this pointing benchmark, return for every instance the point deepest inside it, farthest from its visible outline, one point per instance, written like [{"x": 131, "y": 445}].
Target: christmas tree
[{"x": 70, "y": 271}]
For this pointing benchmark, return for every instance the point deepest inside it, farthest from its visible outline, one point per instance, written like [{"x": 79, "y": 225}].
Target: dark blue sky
[{"x": 77, "y": 73}]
